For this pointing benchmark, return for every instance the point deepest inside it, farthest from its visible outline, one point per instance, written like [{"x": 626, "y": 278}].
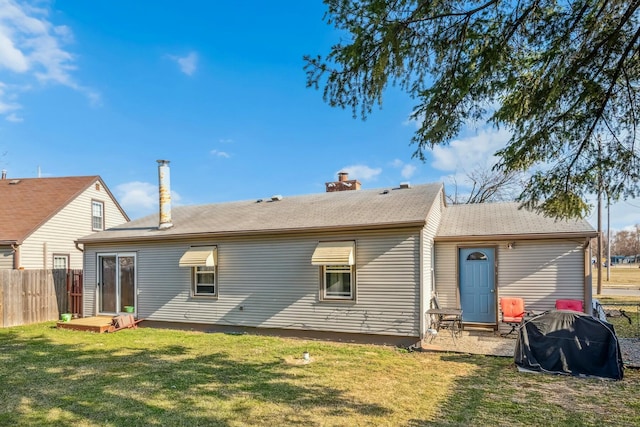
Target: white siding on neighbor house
[
  {"x": 6, "y": 258},
  {"x": 428, "y": 256},
  {"x": 58, "y": 234},
  {"x": 540, "y": 271},
  {"x": 270, "y": 283}
]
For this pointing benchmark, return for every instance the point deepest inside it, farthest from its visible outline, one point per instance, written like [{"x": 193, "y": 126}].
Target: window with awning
[
  {"x": 334, "y": 253},
  {"x": 337, "y": 260},
  {"x": 200, "y": 256}
]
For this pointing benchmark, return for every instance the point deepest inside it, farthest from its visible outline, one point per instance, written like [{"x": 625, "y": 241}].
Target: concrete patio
[
  {"x": 472, "y": 341},
  {"x": 490, "y": 343}
]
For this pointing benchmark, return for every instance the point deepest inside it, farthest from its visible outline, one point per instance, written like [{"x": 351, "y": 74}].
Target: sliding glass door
[{"x": 116, "y": 282}]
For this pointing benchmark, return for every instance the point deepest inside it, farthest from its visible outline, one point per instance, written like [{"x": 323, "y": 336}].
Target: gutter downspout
[
  {"x": 588, "y": 277},
  {"x": 422, "y": 291},
  {"x": 16, "y": 255}
]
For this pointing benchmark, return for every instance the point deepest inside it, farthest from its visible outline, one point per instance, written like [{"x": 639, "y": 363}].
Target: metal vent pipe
[{"x": 164, "y": 181}]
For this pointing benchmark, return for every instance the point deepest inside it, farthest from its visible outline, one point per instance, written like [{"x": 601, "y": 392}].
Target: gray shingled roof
[
  {"x": 504, "y": 219},
  {"x": 338, "y": 210}
]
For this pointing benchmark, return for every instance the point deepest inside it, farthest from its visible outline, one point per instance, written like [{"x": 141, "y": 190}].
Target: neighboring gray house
[{"x": 359, "y": 262}]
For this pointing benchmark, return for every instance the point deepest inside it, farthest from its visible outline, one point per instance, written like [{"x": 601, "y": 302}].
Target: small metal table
[{"x": 450, "y": 318}]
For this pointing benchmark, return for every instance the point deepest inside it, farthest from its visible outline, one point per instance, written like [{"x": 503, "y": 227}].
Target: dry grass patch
[{"x": 622, "y": 275}]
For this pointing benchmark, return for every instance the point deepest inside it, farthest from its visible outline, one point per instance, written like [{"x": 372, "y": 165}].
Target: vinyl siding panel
[
  {"x": 445, "y": 272},
  {"x": 428, "y": 257},
  {"x": 6, "y": 258},
  {"x": 57, "y": 235},
  {"x": 538, "y": 271},
  {"x": 542, "y": 272},
  {"x": 270, "y": 283}
]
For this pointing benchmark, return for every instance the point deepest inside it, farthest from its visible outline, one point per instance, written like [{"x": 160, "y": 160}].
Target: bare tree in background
[
  {"x": 626, "y": 242},
  {"x": 487, "y": 185}
]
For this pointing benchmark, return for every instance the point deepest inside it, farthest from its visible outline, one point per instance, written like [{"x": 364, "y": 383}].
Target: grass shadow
[
  {"x": 496, "y": 393},
  {"x": 120, "y": 379}
]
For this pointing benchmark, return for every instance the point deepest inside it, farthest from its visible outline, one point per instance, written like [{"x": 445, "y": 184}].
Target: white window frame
[
  {"x": 65, "y": 257},
  {"x": 199, "y": 271},
  {"x": 94, "y": 217},
  {"x": 328, "y": 269}
]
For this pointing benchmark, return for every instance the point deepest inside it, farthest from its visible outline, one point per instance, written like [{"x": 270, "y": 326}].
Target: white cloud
[
  {"x": 13, "y": 117},
  {"x": 417, "y": 122},
  {"x": 11, "y": 58},
  {"x": 7, "y": 105},
  {"x": 219, "y": 153},
  {"x": 95, "y": 98},
  {"x": 470, "y": 152},
  {"x": 140, "y": 198},
  {"x": 137, "y": 195},
  {"x": 31, "y": 47},
  {"x": 361, "y": 172},
  {"x": 408, "y": 171},
  {"x": 188, "y": 64},
  {"x": 6, "y": 108},
  {"x": 225, "y": 140}
]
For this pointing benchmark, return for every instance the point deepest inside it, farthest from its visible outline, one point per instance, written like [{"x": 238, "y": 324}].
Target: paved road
[{"x": 620, "y": 292}]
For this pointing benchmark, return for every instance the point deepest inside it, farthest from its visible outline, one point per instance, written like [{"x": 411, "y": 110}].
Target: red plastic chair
[
  {"x": 569, "y": 304},
  {"x": 512, "y": 312}
]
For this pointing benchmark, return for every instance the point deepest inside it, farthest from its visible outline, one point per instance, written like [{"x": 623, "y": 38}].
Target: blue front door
[{"x": 477, "y": 285}]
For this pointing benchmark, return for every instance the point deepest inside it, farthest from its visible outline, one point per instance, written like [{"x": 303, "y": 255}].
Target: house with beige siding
[
  {"x": 363, "y": 262},
  {"x": 40, "y": 219}
]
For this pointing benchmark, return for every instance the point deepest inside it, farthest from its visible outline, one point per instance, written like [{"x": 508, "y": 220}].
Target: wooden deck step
[{"x": 98, "y": 324}]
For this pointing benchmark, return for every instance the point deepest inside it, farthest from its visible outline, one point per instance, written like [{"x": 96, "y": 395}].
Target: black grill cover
[{"x": 569, "y": 342}]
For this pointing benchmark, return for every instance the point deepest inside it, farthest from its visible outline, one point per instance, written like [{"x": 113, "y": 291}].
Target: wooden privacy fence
[{"x": 34, "y": 296}]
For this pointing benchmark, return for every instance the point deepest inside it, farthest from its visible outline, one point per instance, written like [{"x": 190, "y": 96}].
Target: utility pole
[
  {"x": 608, "y": 236},
  {"x": 599, "y": 291}
]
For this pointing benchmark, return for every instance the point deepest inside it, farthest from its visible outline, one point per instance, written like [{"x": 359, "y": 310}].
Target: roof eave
[
  {"x": 523, "y": 236},
  {"x": 249, "y": 233},
  {"x": 115, "y": 201}
]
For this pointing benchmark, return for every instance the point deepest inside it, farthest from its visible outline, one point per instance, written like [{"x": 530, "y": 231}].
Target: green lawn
[{"x": 173, "y": 378}]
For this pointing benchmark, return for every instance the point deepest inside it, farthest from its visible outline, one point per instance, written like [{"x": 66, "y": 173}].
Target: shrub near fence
[{"x": 32, "y": 296}]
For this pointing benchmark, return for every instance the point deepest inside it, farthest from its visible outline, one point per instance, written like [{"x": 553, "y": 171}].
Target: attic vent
[
  {"x": 259, "y": 201},
  {"x": 385, "y": 192},
  {"x": 405, "y": 185},
  {"x": 14, "y": 181},
  {"x": 276, "y": 197}
]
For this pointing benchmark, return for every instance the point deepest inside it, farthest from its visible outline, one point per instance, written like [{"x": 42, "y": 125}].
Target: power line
[{"x": 632, "y": 205}]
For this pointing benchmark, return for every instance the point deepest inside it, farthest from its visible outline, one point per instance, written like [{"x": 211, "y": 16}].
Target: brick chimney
[{"x": 343, "y": 183}]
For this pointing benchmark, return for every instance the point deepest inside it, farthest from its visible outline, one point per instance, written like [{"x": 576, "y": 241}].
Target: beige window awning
[
  {"x": 200, "y": 256},
  {"x": 334, "y": 253}
]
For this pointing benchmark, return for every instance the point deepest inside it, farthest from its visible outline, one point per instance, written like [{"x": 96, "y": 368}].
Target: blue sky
[{"x": 108, "y": 87}]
